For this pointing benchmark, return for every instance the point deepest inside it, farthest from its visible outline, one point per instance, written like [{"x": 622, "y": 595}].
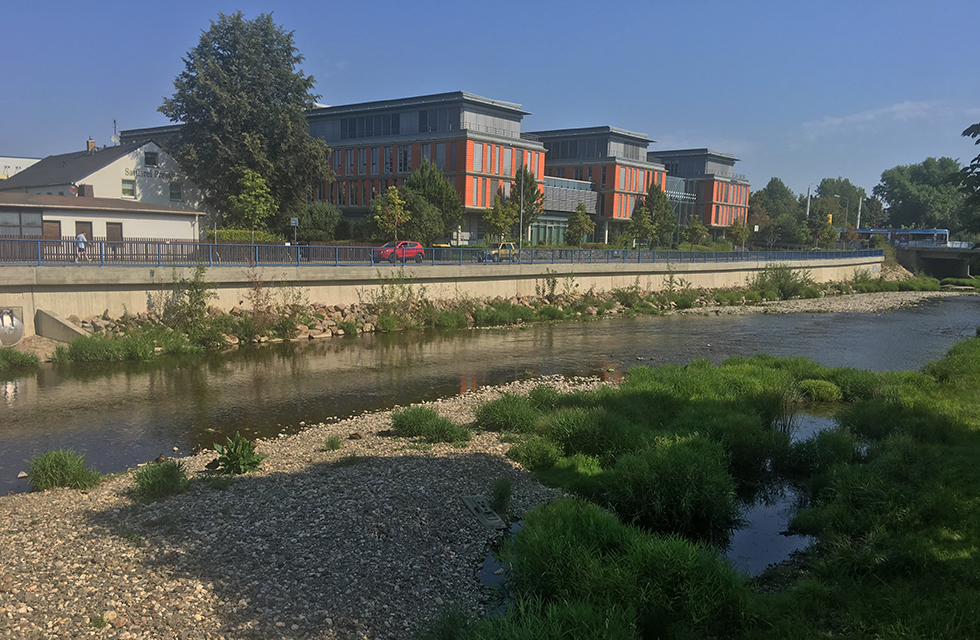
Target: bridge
[{"x": 939, "y": 261}]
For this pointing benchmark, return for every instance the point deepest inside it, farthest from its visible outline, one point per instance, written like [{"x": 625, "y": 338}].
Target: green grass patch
[
  {"x": 12, "y": 361},
  {"x": 61, "y": 468},
  {"x": 509, "y": 412},
  {"x": 333, "y": 443},
  {"x": 430, "y": 426},
  {"x": 160, "y": 480}
]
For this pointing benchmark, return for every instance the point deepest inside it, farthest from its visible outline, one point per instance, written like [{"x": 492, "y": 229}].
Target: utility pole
[
  {"x": 808, "y": 203},
  {"x": 520, "y": 242},
  {"x": 858, "y": 225}
]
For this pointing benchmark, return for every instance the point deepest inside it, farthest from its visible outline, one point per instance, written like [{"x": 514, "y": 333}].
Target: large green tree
[
  {"x": 849, "y": 196},
  {"x": 777, "y": 199},
  {"x": 318, "y": 222},
  {"x": 580, "y": 226},
  {"x": 640, "y": 227},
  {"x": 430, "y": 184},
  {"x": 533, "y": 201},
  {"x": 695, "y": 233},
  {"x": 924, "y": 195},
  {"x": 388, "y": 212},
  {"x": 243, "y": 106}
]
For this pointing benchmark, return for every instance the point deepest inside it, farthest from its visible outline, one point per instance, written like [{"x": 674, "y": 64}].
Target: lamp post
[{"x": 520, "y": 241}]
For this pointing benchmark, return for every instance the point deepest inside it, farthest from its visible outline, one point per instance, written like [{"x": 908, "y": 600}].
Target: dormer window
[{"x": 150, "y": 159}]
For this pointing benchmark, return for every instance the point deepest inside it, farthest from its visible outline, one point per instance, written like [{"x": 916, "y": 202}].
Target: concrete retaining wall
[{"x": 86, "y": 290}]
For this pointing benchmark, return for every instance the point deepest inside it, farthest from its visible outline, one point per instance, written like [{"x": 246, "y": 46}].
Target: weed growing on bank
[
  {"x": 13, "y": 361},
  {"x": 430, "y": 426},
  {"x": 888, "y": 496},
  {"x": 61, "y": 468},
  {"x": 159, "y": 480},
  {"x": 238, "y": 455}
]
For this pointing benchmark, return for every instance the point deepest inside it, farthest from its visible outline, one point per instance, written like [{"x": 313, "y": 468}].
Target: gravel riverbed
[{"x": 366, "y": 541}]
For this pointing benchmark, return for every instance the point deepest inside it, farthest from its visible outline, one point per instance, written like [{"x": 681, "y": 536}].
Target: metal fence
[{"x": 164, "y": 253}]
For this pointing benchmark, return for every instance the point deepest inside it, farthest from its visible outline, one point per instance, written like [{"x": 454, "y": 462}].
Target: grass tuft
[
  {"x": 160, "y": 480},
  {"x": 61, "y": 468}
]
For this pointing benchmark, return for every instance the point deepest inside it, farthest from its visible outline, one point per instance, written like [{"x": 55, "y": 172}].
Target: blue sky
[{"x": 798, "y": 90}]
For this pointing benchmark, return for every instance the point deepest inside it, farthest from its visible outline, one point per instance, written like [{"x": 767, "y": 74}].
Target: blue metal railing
[{"x": 160, "y": 254}]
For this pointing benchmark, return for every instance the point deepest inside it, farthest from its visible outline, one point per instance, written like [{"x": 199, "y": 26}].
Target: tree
[
  {"x": 243, "y": 106},
  {"x": 533, "y": 201},
  {"x": 924, "y": 195},
  {"x": 968, "y": 182},
  {"x": 499, "y": 219},
  {"x": 777, "y": 199},
  {"x": 695, "y": 233},
  {"x": 425, "y": 222},
  {"x": 849, "y": 196},
  {"x": 318, "y": 222},
  {"x": 640, "y": 227},
  {"x": 580, "y": 226},
  {"x": 872, "y": 213},
  {"x": 251, "y": 205},
  {"x": 738, "y": 233},
  {"x": 388, "y": 212},
  {"x": 430, "y": 183},
  {"x": 662, "y": 216}
]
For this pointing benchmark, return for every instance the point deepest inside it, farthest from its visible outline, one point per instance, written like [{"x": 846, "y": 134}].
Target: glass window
[
  {"x": 129, "y": 188},
  {"x": 452, "y": 155},
  {"x": 389, "y": 155},
  {"x": 426, "y": 151},
  {"x": 374, "y": 161},
  {"x": 477, "y": 156},
  {"x": 361, "y": 161},
  {"x": 508, "y": 165},
  {"x": 176, "y": 191},
  {"x": 150, "y": 158},
  {"x": 404, "y": 158},
  {"x": 441, "y": 156},
  {"x": 349, "y": 165}
]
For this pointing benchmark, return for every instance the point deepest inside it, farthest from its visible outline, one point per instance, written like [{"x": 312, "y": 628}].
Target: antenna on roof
[{"x": 115, "y": 135}]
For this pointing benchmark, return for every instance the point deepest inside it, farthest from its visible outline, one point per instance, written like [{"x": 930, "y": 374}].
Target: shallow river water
[{"x": 120, "y": 415}]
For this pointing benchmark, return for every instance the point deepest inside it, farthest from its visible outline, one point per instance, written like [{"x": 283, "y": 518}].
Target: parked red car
[{"x": 402, "y": 250}]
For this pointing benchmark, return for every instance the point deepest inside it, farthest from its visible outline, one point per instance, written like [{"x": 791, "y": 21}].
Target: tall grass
[
  {"x": 160, "y": 480},
  {"x": 61, "y": 468},
  {"x": 12, "y": 360},
  {"x": 425, "y": 422}
]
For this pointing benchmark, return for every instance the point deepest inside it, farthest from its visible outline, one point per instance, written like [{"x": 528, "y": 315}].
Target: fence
[{"x": 171, "y": 253}]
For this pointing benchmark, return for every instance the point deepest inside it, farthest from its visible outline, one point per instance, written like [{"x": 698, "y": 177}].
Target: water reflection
[{"x": 122, "y": 414}]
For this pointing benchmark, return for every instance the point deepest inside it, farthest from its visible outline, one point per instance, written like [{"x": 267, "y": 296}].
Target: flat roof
[
  {"x": 592, "y": 131},
  {"x": 432, "y": 100}
]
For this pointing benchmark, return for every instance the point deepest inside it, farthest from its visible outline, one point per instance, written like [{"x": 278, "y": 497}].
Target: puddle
[
  {"x": 805, "y": 425},
  {"x": 762, "y": 541},
  {"x": 491, "y": 574}
]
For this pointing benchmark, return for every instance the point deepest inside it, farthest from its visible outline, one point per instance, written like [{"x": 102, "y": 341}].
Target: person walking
[{"x": 80, "y": 243}]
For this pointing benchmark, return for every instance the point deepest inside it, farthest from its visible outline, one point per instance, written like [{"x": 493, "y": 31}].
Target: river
[{"x": 120, "y": 415}]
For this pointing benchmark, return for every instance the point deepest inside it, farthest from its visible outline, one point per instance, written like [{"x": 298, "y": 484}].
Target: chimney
[
  {"x": 86, "y": 191},
  {"x": 90, "y": 145}
]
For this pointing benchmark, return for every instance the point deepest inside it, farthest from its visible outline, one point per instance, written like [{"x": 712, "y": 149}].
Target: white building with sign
[{"x": 136, "y": 171}]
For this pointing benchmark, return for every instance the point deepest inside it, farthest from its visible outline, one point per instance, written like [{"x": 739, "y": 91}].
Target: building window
[
  {"x": 389, "y": 154},
  {"x": 361, "y": 161},
  {"x": 176, "y": 191},
  {"x": 508, "y": 162},
  {"x": 336, "y": 160},
  {"x": 426, "y": 151},
  {"x": 452, "y": 155},
  {"x": 578, "y": 173},
  {"x": 129, "y": 188},
  {"x": 150, "y": 159},
  {"x": 349, "y": 165},
  {"x": 404, "y": 159},
  {"x": 441, "y": 156},
  {"x": 113, "y": 231},
  {"x": 477, "y": 157},
  {"x": 374, "y": 161}
]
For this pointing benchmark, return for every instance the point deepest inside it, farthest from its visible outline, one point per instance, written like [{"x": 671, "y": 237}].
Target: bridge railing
[{"x": 39, "y": 252}]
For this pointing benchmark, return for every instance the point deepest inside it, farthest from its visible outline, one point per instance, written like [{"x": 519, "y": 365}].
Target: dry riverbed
[{"x": 363, "y": 542}]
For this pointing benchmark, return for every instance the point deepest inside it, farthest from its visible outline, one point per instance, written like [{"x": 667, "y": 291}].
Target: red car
[{"x": 402, "y": 250}]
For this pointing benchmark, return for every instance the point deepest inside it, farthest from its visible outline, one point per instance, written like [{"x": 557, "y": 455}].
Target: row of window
[
  {"x": 502, "y": 160},
  {"x": 382, "y": 160},
  {"x": 176, "y": 190},
  {"x": 393, "y": 124}
]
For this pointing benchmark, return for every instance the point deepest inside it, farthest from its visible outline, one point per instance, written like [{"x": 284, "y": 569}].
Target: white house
[
  {"x": 135, "y": 171},
  {"x": 9, "y": 165},
  {"x": 30, "y": 215}
]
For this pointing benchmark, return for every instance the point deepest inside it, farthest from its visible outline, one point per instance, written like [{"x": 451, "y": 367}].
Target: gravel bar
[{"x": 363, "y": 542}]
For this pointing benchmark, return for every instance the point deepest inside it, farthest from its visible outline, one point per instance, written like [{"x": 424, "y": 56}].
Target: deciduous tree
[
  {"x": 389, "y": 213},
  {"x": 318, "y": 222},
  {"x": 738, "y": 233},
  {"x": 243, "y": 106},
  {"x": 533, "y": 201},
  {"x": 923, "y": 195},
  {"x": 251, "y": 204},
  {"x": 430, "y": 183},
  {"x": 662, "y": 216},
  {"x": 501, "y": 218},
  {"x": 695, "y": 233},
  {"x": 640, "y": 227},
  {"x": 580, "y": 226}
]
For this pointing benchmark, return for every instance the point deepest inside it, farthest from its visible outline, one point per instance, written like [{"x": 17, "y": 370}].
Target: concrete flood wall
[{"x": 86, "y": 290}]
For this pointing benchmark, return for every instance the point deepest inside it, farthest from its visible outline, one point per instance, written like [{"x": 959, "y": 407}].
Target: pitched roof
[
  {"x": 51, "y": 203},
  {"x": 67, "y": 168}
]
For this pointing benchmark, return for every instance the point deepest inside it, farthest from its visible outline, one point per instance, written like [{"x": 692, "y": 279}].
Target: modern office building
[
  {"x": 721, "y": 196},
  {"x": 613, "y": 160},
  {"x": 476, "y": 142}
]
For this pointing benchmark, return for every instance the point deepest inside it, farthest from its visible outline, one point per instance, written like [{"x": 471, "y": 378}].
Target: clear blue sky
[{"x": 798, "y": 90}]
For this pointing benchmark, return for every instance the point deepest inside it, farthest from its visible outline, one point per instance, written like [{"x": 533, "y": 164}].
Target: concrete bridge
[
  {"x": 86, "y": 290},
  {"x": 938, "y": 261}
]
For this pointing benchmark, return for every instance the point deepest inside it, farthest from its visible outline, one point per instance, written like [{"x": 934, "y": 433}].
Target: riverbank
[
  {"x": 881, "y": 302},
  {"x": 363, "y": 542}
]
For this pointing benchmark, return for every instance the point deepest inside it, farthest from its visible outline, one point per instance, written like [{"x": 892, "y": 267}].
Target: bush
[
  {"x": 594, "y": 432},
  {"x": 782, "y": 280},
  {"x": 535, "y": 454},
  {"x": 455, "y": 319},
  {"x": 549, "y": 312},
  {"x": 238, "y": 455},
  {"x": 820, "y": 390},
  {"x": 422, "y": 421},
  {"x": 61, "y": 468},
  {"x": 543, "y": 397},
  {"x": 678, "y": 485},
  {"x": 960, "y": 282},
  {"x": 509, "y": 412},
  {"x": 160, "y": 480},
  {"x": 387, "y": 322},
  {"x": 349, "y": 327},
  {"x": 502, "y": 312}
]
